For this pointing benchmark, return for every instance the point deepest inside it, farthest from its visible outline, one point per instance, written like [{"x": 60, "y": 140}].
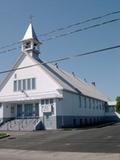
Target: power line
[
  {"x": 79, "y": 23},
  {"x": 9, "y": 45},
  {"x": 83, "y": 29},
  {"x": 64, "y": 58},
  {"x": 8, "y": 50},
  {"x": 67, "y": 27},
  {"x": 65, "y": 34},
  {"x": 85, "y": 54}
]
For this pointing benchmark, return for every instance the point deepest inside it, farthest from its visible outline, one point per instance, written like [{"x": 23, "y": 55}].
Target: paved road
[
  {"x": 97, "y": 140},
  {"x": 8, "y": 154}
]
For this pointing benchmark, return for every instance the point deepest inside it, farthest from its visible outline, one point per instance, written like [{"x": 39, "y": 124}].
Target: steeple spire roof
[{"x": 30, "y": 34}]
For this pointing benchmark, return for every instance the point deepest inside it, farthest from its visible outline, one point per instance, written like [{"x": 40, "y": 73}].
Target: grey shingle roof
[{"x": 73, "y": 83}]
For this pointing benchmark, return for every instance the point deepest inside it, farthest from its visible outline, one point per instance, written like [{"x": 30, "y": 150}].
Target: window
[
  {"x": 33, "y": 83},
  {"x": 12, "y": 109},
  {"x": 51, "y": 101},
  {"x": 28, "y": 84},
  {"x": 87, "y": 101},
  {"x": 19, "y": 85},
  {"x": 47, "y": 101},
  {"x": 24, "y": 84},
  {"x": 100, "y": 105},
  {"x": 42, "y": 101},
  {"x": 36, "y": 109},
  {"x": 103, "y": 106},
  {"x": 91, "y": 103},
  {"x": 28, "y": 109},
  {"x": 84, "y": 102},
  {"x": 97, "y": 104},
  {"x": 15, "y": 85}
]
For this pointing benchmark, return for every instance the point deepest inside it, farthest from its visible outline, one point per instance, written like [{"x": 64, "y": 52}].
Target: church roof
[
  {"x": 73, "y": 83},
  {"x": 30, "y": 33}
]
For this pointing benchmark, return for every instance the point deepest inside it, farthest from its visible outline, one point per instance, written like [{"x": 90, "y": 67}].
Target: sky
[{"x": 49, "y": 15}]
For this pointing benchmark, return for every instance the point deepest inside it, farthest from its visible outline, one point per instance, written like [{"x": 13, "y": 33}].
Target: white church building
[{"x": 37, "y": 95}]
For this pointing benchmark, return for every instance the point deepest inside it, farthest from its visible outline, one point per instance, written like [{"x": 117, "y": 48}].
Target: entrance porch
[{"x": 29, "y": 115}]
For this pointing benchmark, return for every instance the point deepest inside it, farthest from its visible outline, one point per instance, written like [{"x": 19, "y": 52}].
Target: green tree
[{"x": 118, "y": 104}]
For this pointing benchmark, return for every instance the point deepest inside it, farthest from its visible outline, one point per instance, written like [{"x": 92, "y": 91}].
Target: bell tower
[{"x": 30, "y": 42}]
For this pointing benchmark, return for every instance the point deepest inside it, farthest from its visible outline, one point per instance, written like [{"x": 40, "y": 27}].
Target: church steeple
[{"x": 30, "y": 42}]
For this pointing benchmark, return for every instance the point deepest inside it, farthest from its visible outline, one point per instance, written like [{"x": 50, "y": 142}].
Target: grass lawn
[{"x": 3, "y": 135}]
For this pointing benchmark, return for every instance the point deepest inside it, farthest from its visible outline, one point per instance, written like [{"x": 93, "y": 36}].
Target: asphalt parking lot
[{"x": 95, "y": 140}]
